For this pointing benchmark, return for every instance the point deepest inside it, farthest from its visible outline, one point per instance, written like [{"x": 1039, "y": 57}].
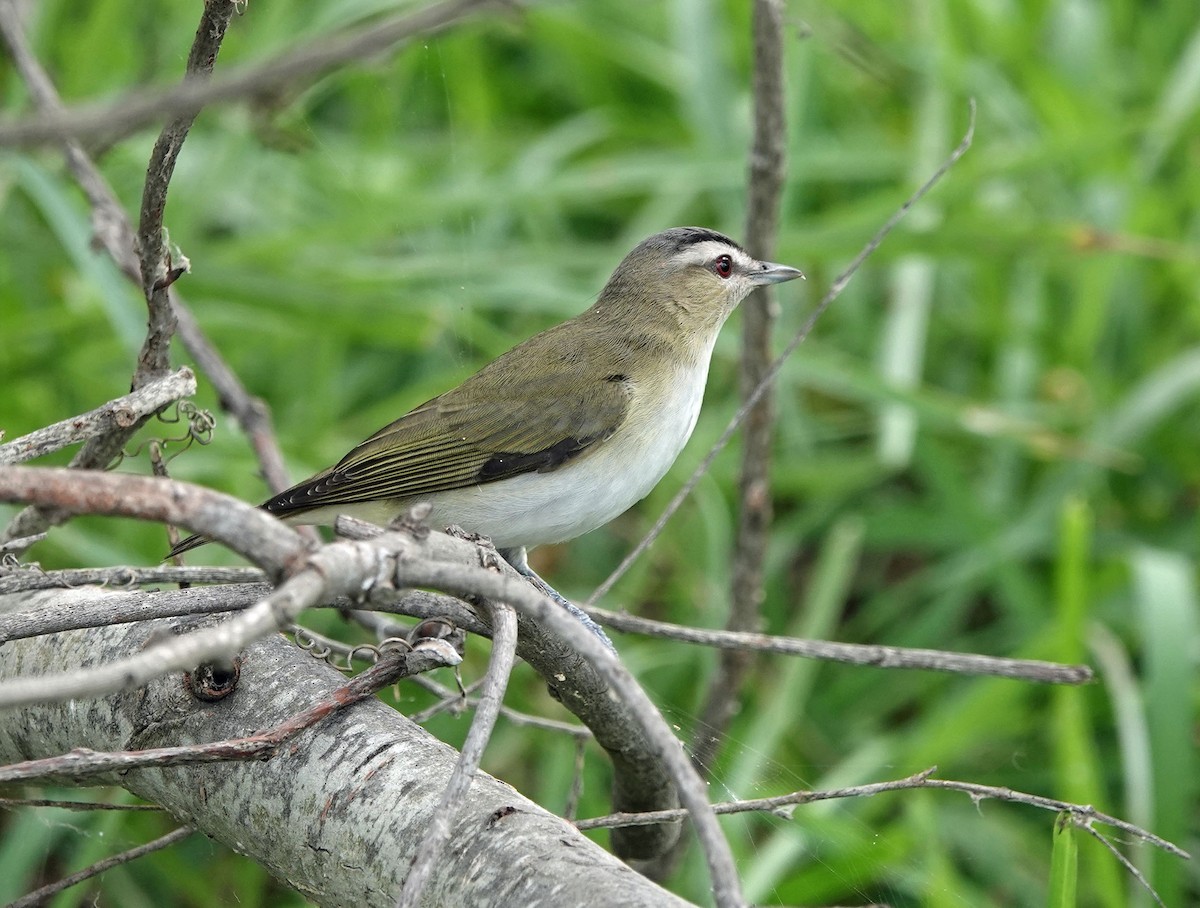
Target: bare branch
[
  {"x": 110, "y": 122},
  {"x": 835, "y": 290},
  {"x": 117, "y": 414},
  {"x": 123, "y": 608},
  {"x": 1121, "y": 859},
  {"x": 43, "y": 894},
  {"x": 154, "y": 259},
  {"x": 345, "y": 803},
  {"x": 765, "y": 188},
  {"x": 504, "y": 648},
  {"x": 1084, "y": 814},
  {"x": 246, "y": 529},
  {"x": 26, "y": 577},
  {"x": 853, "y": 653}
]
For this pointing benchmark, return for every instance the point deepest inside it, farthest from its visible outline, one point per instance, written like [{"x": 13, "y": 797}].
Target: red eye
[{"x": 723, "y": 266}]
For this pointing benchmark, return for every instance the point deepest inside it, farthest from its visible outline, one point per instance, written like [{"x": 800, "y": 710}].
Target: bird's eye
[{"x": 723, "y": 266}]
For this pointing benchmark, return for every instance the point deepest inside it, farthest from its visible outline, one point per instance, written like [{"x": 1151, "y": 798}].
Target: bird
[{"x": 568, "y": 429}]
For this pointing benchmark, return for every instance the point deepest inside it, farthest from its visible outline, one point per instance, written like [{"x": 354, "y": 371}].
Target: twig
[
  {"x": 117, "y": 414},
  {"x": 580, "y": 732},
  {"x": 122, "y": 577},
  {"x": 853, "y": 653},
  {"x": 763, "y": 805},
  {"x": 43, "y": 894},
  {"x": 1121, "y": 859},
  {"x": 504, "y": 648},
  {"x": 1084, "y": 814},
  {"x": 83, "y": 763},
  {"x": 110, "y": 122},
  {"x": 154, "y": 258},
  {"x": 764, "y": 189},
  {"x": 18, "y": 545},
  {"x": 835, "y": 290},
  {"x": 82, "y": 806}
]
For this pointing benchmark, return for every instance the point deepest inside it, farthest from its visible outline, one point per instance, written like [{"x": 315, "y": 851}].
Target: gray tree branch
[
  {"x": 115, "y": 415},
  {"x": 338, "y": 814}
]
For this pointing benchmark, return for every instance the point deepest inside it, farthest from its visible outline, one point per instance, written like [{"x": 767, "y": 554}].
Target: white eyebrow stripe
[{"x": 704, "y": 252}]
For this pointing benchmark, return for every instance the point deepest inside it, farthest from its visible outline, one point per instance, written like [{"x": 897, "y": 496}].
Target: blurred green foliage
[{"x": 991, "y": 443}]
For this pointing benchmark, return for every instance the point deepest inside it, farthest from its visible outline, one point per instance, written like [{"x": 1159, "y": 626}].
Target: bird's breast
[{"x": 588, "y": 491}]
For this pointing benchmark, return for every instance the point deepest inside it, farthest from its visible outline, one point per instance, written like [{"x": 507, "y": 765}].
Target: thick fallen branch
[
  {"x": 339, "y": 812},
  {"x": 646, "y": 769}
]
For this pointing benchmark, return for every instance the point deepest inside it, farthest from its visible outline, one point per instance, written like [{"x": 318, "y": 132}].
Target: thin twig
[
  {"x": 739, "y": 417},
  {"x": 1084, "y": 814},
  {"x": 109, "y": 122},
  {"x": 449, "y": 696},
  {"x": 1121, "y": 859},
  {"x": 82, "y": 806},
  {"x": 504, "y": 648},
  {"x": 764, "y": 190},
  {"x": 123, "y": 577},
  {"x": 43, "y": 894},
  {"x": 250, "y": 412},
  {"x": 115, "y": 415},
  {"x": 853, "y": 653}
]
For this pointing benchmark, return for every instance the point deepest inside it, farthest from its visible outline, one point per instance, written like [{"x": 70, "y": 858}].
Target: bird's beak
[{"x": 770, "y": 273}]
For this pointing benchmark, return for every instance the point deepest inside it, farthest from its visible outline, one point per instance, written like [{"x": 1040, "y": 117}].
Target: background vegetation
[{"x": 991, "y": 443}]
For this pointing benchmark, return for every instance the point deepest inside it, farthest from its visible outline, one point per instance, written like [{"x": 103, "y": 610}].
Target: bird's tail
[{"x": 186, "y": 545}]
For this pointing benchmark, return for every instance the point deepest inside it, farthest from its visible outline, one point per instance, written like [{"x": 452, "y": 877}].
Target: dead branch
[
  {"x": 782, "y": 804},
  {"x": 764, "y": 190},
  {"x": 118, "y": 414},
  {"x": 107, "y": 123},
  {"x": 504, "y": 648},
  {"x": 43, "y": 894},
  {"x": 853, "y": 653},
  {"x": 339, "y": 812}
]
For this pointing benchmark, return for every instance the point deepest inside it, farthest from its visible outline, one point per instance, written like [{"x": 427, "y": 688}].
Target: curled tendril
[
  {"x": 342, "y": 656},
  {"x": 200, "y": 427}
]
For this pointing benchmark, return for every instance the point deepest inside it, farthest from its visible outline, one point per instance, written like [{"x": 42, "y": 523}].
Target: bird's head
[{"x": 691, "y": 275}]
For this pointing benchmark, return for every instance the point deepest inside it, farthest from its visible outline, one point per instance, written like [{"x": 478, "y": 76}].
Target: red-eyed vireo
[{"x": 569, "y": 429}]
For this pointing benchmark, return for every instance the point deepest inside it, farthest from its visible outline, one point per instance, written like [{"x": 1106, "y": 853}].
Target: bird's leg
[{"x": 516, "y": 557}]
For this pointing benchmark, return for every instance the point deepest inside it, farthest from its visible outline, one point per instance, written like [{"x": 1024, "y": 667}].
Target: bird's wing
[{"x": 499, "y": 423}]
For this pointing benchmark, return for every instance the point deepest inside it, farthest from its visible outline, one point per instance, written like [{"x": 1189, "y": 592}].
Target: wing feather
[{"x": 499, "y": 423}]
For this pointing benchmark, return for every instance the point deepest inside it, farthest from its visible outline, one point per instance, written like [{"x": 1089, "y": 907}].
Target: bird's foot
[{"x": 516, "y": 557}]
